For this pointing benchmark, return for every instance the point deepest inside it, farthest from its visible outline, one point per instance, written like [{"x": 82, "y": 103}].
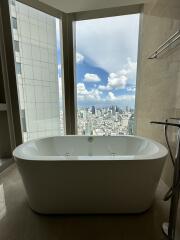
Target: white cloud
[
  {"x": 108, "y": 42},
  {"x": 104, "y": 88},
  {"x": 81, "y": 89},
  {"x": 95, "y": 96},
  {"x": 111, "y": 97},
  {"x": 127, "y": 75},
  {"x": 122, "y": 78},
  {"x": 84, "y": 95},
  {"x": 90, "y": 77},
  {"x": 79, "y": 57},
  {"x": 116, "y": 80}
]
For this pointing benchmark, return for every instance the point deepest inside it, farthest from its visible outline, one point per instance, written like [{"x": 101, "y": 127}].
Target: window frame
[
  {"x": 9, "y": 75},
  {"x": 68, "y": 55},
  {"x": 113, "y": 12}
]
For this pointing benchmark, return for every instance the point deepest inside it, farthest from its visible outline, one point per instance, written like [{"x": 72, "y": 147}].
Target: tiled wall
[{"x": 158, "y": 85}]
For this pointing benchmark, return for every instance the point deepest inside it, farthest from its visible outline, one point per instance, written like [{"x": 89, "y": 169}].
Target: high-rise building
[
  {"x": 35, "y": 47},
  {"x": 93, "y": 110},
  {"x": 131, "y": 125}
]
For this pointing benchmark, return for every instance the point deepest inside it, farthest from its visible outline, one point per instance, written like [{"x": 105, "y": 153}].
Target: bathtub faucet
[
  {"x": 170, "y": 228},
  {"x": 90, "y": 139}
]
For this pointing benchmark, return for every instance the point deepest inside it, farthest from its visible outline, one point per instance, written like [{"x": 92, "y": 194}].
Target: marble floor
[{"x": 19, "y": 222}]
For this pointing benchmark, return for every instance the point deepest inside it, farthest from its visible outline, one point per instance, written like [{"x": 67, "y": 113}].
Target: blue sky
[{"x": 106, "y": 61}]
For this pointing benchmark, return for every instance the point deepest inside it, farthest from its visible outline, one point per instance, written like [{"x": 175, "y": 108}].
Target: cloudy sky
[{"x": 106, "y": 60}]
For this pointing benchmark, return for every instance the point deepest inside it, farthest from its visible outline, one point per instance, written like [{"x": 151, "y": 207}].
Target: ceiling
[{"x": 69, "y": 6}]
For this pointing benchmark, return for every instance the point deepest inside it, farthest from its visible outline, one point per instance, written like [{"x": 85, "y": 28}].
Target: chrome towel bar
[{"x": 164, "y": 47}]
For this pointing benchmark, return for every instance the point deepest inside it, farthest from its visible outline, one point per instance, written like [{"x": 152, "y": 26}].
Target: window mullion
[{"x": 68, "y": 73}]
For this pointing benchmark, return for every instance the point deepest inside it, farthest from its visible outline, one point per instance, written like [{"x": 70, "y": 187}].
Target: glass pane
[
  {"x": 14, "y": 22},
  {"x": 106, "y": 62},
  {"x": 16, "y": 46},
  {"x": 36, "y": 38},
  {"x": 18, "y": 68}
]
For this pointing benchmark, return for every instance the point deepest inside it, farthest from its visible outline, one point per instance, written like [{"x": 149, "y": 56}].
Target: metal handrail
[{"x": 165, "y": 45}]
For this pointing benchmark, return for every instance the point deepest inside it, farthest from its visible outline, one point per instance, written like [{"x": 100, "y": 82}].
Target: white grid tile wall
[{"x": 38, "y": 81}]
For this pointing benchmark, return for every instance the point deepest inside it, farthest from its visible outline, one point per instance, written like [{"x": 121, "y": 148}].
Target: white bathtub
[{"x": 80, "y": 174}]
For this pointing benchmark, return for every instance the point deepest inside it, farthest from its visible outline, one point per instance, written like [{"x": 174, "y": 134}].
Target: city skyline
[{"x": 109, "y": 121}]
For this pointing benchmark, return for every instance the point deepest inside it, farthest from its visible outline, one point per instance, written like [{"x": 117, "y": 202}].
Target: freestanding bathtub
[{"x": 81, "y": 174}]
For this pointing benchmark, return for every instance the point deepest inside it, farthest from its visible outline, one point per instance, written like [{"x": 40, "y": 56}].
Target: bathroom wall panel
[{"x": 158, "y": 85}]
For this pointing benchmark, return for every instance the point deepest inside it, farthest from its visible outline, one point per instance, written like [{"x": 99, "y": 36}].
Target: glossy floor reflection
[{"x": 19, "y": 222}]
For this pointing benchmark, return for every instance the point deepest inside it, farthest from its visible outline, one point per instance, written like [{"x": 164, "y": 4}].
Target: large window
[
  {"x": 106, "y": 62},
  {"x": 36, "y": 38},
  {"x": 105, "y": 72}
]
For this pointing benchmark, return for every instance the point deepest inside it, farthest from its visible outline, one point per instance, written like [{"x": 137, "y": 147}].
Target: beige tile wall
[{"x": 158, "y": 84}]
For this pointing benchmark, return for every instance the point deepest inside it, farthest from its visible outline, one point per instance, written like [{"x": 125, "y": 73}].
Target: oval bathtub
[{"x": 80, "y": 174}]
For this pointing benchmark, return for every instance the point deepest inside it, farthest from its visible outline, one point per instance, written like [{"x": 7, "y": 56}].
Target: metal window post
[{"x": 68, "y": 57}]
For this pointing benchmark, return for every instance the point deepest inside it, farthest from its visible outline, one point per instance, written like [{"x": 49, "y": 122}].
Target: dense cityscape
[{"x": 107, "y": 121}]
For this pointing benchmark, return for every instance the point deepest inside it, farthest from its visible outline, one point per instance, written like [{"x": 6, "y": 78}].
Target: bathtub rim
[{"x": 161, "y": 153}]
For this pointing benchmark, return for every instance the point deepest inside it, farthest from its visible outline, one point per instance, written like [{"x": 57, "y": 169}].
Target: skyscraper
[
  {"x": 131, "y": 125},
  {"x": 93, "y": 110},
  {"x": 35, "y": 50}
]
